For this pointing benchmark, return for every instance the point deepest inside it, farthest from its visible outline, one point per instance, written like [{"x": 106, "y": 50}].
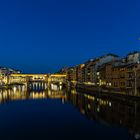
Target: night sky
[{"x": 41, "y": 36}]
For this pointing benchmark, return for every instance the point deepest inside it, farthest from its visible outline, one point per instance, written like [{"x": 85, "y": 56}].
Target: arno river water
[{"x": 66, "y": 114}]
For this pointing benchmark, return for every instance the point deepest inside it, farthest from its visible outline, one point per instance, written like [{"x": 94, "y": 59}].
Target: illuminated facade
[
  {"x": 90, "y": 72},
  {"x": 72, "y": 74},
  {"x": 35, "y": 81},
  {"x": 37, "y": 77},
  {"x": 104, "y": 75},
  {"x": 80, "y": 73},
  {"x": 108, "y": 72}
]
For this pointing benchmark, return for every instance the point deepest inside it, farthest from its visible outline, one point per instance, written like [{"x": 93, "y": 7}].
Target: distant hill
[{"x": 7, "y": 71}]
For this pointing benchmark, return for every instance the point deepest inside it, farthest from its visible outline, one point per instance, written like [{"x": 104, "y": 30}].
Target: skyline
[
  {"x": 121, "y": 58},
  {"x": 44, "y": 36}
]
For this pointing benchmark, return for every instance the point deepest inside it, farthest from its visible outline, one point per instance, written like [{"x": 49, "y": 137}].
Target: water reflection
[
  {"x": 108, "y": 111},
  {"x": 37, "y": 86},
  {"x": 20, "y": 92},
  {"x": 112, "y": 111}
]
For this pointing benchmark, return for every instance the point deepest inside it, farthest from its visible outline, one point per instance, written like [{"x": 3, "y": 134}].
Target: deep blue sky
[{"x": 45, "y": 35}]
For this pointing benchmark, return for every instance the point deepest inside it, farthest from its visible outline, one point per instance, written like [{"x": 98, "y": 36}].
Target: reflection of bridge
[
  {"x": 33, "y": 79},
  {"x": 19, "y": 92}
]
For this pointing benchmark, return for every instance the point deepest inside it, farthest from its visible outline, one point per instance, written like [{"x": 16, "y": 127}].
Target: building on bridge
[{"x": 37, "y": 80}]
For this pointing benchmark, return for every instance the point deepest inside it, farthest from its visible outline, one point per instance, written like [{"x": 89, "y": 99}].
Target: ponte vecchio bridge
[{"x": 37, "y": 80}]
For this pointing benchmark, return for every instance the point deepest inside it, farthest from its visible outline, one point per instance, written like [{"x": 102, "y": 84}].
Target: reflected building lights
[
  {"x": 95, "y": 108},
  {"x": 119, "y": 111}
]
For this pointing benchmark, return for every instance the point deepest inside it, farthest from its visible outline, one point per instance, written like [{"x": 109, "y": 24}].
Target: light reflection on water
[
  {"x": 19, "y": 92},
  {"x": 114, "y": 112}
]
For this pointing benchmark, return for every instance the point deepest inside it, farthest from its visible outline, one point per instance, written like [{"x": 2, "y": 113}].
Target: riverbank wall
[{"x": 104, "y": 92}]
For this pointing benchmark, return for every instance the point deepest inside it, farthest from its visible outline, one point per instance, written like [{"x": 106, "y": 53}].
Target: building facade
[
  {"x": 133, "y": 57},
  {"x": 72, "y": 74},
  {"x": 80, "y": 73},
  {"x": 109, "y": 72}
]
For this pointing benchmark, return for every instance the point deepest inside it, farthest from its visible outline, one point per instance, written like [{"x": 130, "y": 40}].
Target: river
[{"x": 66, "y": 114}]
